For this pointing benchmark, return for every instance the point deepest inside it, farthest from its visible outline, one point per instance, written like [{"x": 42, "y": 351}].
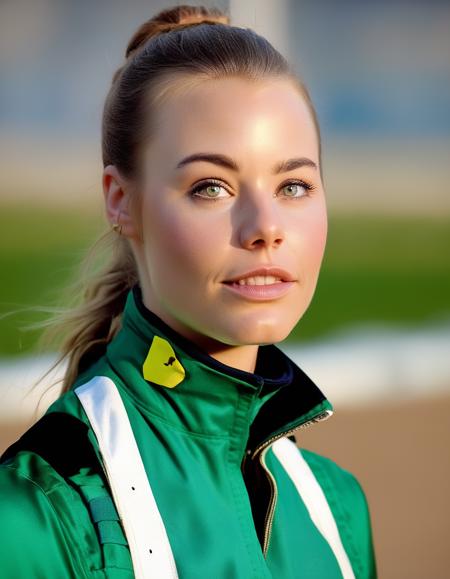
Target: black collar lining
[{"x": 279, "y": 373}]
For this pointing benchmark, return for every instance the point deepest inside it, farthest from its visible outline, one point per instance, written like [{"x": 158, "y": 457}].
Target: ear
[{"x": 116, "y": 191}]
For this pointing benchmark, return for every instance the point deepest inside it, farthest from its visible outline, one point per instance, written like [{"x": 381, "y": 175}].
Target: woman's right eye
[{"x": 211, "y": 190}]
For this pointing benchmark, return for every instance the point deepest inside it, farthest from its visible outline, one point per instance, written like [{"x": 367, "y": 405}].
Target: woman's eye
[
  {"x": 209, "y": 190},
  {"x": 297, "y": 189},
  {"x": 214, "y": 191}
]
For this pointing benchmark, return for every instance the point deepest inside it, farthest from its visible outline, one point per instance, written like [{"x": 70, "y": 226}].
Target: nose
[{"x": 260, "y": 223}]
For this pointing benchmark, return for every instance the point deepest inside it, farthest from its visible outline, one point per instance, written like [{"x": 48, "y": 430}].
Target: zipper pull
[{"x": 247, "y": 454}]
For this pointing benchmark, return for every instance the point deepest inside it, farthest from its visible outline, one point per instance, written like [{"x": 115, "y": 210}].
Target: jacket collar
[{"x": 213, "y": 399}]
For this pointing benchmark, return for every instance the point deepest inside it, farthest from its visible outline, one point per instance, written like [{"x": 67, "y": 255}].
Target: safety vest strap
[
  {"x": 147, "y": 538},
  {"x": 314, "y": 499},
  {"x": 73, "y": 457}
]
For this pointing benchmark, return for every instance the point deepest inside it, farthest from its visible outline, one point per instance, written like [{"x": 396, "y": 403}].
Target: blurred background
[{"x": 376, "y": 338}]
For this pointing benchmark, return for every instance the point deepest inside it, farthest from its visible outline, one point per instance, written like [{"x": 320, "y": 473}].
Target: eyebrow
[{"x": 229, "y": 163}]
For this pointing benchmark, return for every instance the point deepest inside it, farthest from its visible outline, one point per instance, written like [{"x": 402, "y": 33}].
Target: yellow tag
[{"x": 161, "y": 365}]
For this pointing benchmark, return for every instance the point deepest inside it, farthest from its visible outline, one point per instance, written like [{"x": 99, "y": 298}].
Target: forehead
[{"x": 268, "y": 116}]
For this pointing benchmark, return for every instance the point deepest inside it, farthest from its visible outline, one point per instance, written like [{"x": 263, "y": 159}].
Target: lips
[{"x": 280, "y": 275}]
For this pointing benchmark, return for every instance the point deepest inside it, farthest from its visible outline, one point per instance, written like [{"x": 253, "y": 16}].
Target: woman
[{"x": 171, "y": 452}]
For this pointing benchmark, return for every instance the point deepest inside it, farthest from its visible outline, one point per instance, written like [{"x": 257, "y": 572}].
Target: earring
[{"x": 117, "y": 227}]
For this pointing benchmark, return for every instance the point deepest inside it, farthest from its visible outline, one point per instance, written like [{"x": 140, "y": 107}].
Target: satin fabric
[{"x": 193, "y": 439}]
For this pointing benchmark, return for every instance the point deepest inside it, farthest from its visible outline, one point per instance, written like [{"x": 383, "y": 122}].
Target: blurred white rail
[
  {"x": 371, "y": 364},
  {"x": 354, "y": 367}
]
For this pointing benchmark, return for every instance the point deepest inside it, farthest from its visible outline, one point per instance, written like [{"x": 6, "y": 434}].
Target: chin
[{"x": 248, "y": 335}]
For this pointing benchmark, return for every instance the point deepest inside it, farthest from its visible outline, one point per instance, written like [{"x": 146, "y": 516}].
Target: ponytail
[{"x": 83, "y": 330}]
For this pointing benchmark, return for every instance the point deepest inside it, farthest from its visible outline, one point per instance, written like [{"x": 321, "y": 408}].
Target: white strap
[
  {"x": 314, "y": 498},
  {"x": 147, "y": 538}
]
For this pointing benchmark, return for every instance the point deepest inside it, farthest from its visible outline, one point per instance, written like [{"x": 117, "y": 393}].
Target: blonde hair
[{"x": 191, "y": 40}]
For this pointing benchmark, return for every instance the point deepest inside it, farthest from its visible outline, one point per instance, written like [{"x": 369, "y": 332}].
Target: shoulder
[
  {"x": 33, "y": 538},
  {"x": 349, "y": 505},
  {"x": 40, "y": 505},
  {"x": 340, "y": 486},
  {"x": 319, "y": 476},
  {"x": 336, "y": 481}
]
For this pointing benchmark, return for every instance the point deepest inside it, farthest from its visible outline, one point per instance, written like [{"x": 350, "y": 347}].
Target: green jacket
[{"x": 200, "y": 427}]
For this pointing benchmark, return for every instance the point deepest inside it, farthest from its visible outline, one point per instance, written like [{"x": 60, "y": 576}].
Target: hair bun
[{"x": 179, "y": 16}]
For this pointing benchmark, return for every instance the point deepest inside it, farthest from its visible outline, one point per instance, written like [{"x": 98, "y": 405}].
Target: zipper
[
  {"x": 321, "y": 416},
  {"x": 262, "y": 449},
  {"x": 273, "y": 501}
]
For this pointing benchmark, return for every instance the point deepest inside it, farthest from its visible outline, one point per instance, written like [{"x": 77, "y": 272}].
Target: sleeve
[
  {"x": 32, "y": 541},
  {"x": 350, "y": 508}
]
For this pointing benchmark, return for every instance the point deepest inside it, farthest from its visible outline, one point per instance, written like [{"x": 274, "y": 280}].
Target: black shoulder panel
[{"x": 60, "y": 439}]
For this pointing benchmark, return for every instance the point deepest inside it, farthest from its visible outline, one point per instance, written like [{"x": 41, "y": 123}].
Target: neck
[{"x": 241, "y": 357}]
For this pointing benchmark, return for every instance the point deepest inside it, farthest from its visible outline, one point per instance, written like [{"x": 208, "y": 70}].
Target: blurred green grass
[
  {"x": 381, "y": 270},
  {"x": 376, "y": 269}
]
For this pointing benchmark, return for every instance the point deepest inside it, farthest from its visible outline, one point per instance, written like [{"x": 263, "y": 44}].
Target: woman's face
[{"x": 205, "y": 222}]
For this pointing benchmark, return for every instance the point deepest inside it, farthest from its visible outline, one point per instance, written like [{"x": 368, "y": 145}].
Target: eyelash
[{"x": 307, "y": 186}]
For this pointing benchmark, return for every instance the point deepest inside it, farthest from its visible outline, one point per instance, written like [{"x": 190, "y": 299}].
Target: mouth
[
  {"x": 262, "y": 276},
  {"x": 261, "y": 285},
  {"x": 257, "y": 280}
]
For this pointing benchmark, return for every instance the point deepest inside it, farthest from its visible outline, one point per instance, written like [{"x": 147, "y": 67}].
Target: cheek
[
  {"x": 181, "y": 245},
  {"x": 314, "y": 230},
  {"x": 318, "y": 238}
]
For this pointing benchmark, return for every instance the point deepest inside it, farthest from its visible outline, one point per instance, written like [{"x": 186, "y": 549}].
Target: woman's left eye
[{"x": 297, "y": 189}]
